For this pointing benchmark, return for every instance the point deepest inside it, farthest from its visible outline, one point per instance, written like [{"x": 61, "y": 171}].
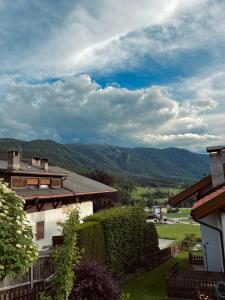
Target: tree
[
  {"x": 94, "y": 282},
  {"x": 16, "y": 246}
]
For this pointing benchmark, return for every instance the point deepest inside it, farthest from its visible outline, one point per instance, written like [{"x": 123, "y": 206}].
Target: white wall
[
  {"x": 211, "y": 243},
  {"x": 51, "y": 217}
]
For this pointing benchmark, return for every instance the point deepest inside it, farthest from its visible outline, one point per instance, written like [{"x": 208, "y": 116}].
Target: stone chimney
[
  {"x": 14, "y": 160},
  {"x": 217, "y": 161},
  {"x": 36, "y": 161},
  {"x": 44, "y": 164}
]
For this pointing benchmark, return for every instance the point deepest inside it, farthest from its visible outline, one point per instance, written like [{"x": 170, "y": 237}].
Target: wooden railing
[
  {"x": 188, "y": 284},
  {"x": 27, "y": 286},
  {"x": 195, "y": 259}
]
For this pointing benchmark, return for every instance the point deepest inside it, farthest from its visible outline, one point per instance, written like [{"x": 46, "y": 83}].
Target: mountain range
[{"x": 169, "y": 166}]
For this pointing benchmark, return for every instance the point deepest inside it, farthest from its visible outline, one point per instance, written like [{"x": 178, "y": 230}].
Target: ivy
[
  {"x": 66, "y": 256},
  {"x": 17, "y": 249}
]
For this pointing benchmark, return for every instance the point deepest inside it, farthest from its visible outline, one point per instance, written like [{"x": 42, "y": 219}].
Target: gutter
[{"x": 221, "y": 237}]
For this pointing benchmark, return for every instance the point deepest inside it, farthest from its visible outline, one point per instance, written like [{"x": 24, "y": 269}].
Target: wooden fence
[
  {"x": 188, "y": 283},
  {"x": 28, "y": 286},
  {"x": 195, "y": 259}
]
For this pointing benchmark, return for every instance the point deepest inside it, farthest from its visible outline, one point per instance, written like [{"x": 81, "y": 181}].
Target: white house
[
  {"x": 50, "y": 193},
  {"x": 209, "y": 209}
]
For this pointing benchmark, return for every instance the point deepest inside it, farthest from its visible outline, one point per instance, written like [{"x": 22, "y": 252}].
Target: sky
[{"x": 133, "y": 73}]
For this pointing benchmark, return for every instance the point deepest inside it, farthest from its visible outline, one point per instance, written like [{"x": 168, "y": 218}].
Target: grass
[
  {"x": 176, "y": 231},
  {"x": 152, "y": 285},
  {"x": 183, "y": 213}
]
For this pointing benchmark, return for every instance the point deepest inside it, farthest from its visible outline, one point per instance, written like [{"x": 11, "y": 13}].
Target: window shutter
[
  {"x": 45, "y": 181},
  {"x": 32, "y": 181},
  {"x": 18, "y": 182},
  {"x": 56, "y": 183},
  {"x": 40, "y": 229}
]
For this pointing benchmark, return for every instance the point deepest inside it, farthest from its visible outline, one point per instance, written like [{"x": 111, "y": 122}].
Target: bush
[
  {"x": 91, "y": 240},
  {"x": 94, "y": 282},
  {"x": 189, "y": 241},
  {"x": 123, "y": 230}
]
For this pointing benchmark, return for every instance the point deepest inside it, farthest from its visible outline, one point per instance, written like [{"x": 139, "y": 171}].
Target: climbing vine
[
  {"x": 16, "y": 246},
  {"x": 66, "y": 256}
]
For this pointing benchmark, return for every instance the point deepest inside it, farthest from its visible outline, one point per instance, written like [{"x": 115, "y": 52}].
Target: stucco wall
[
  {"x": 211, "y": 243},
  {"x": 51, "y": 217}
]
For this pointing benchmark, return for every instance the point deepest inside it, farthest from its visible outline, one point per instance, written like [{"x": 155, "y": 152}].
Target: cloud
[{"x": 78, "y": 109}]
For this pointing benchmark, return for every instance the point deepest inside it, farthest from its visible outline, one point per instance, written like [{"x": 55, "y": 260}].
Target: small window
[
  {"x": 56, "y": 183},
  {"x": 45, "y": 181},
  {"x": 40, "y": 230},
  {"x": 44, "y": 186},
  {"x": 32, "y": 181}
]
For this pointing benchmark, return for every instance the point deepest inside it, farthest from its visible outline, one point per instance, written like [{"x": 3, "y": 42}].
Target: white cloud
[{"x": 78, "y": 109}]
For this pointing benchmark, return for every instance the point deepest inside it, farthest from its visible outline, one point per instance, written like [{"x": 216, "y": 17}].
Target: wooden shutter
[
  {"x": 45, "y": 181},
  {"x": 32, "y": 181},
  {"x": 18, "y": 181},
  {"x": 56, "y": 183},
  {"x": 40, "y": 229}
]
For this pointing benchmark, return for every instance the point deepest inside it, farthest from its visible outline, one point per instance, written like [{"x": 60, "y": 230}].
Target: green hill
[{"x": 160, "y": 166}]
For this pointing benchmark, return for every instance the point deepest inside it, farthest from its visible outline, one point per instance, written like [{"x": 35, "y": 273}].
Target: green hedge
[
  {"x": 124, "y": 230},
  {"x": 150, "y": 240},
  {"x": 91, "y": 241}
]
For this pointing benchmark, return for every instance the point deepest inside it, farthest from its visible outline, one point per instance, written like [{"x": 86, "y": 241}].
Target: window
[
  {"x": 32, "y": 181},
  {"x": 18, "y": 181},
  {"x": 56, "y": 183},
  {"x": 40, "y": 230}
]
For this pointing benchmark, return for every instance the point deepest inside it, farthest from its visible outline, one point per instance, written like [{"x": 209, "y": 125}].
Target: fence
[
  {"x": 26, "y": 287},
  {"x": 195, "y": 259},
  {"x": 188, "y": 283}
]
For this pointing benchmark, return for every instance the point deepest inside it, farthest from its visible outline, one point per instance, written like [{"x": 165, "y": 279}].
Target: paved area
[{"x": 163, "y": 243}]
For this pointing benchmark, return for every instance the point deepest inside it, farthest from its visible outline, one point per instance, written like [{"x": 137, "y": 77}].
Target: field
[
  {"x": 183, "y": 213},
  {"x": 176, "y": 231},
  {"x": 159, "y": 194},
  {"x": 152, "y": 285}
]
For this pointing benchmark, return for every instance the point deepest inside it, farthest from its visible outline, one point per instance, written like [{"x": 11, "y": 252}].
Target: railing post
[{"x": 32, "y": 277}]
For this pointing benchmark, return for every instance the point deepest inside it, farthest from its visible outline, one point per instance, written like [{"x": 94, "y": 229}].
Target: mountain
[{"x": 170, "y": 165}]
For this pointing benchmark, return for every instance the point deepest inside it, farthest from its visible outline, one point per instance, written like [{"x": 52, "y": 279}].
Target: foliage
[
  {"x": 66, "y": 256},
  {"x": 94, "y": 282},
  {"x": 189, "y": 241},
  {"x": 173, "y": 210},
  {"x": 125, "y": 296},
  {"x": 91, "y": 242},
  {"x": 42, "y": 296},
  {"x": 124, "y": 236},
  {"x": 16, "y": 246}
]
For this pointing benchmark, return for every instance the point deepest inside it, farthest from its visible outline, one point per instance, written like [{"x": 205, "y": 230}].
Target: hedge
[
  {"x": 150, "y": 240},
  {"x": 123, "y": 230},
  {"x": 91, "y": 242}
]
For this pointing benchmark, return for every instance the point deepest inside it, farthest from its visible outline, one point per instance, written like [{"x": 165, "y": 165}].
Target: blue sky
[{"x": 131, "y": 73}]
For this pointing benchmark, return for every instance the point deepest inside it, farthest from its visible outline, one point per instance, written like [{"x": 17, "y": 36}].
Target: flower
[
  {"x": 18, "y": 245},
  {"x": 19, "y": 231},
  {"x": 1, "y": 267}
]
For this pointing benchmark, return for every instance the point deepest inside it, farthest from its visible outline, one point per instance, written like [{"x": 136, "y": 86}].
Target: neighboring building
[
  {"x": 50, "y": 193},
  {"x": 209, "y": 209},
  {"x": 159, "y": 209}
]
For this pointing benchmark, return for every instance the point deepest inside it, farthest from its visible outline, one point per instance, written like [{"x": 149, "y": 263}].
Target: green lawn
[
  {"x": 176, "y": 231},
  {"x": 152, "y": 285},
  {"x": 183, "y": 213}
]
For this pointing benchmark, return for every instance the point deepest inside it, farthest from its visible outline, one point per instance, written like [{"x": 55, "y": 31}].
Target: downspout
[{"x": 221, "y": 237}]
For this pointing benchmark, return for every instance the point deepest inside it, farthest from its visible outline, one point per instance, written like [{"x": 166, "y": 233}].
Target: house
[
  {"x": 50, "y": 193},
  {"x": 209, "y": 209},
  {"x": 159, "y": 209}
]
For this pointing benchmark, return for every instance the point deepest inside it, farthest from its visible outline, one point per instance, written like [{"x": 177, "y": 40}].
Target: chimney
[
  {"x": 217, "y": 161},
  {"x": 35, "y": 161},
  {"x": 44, "y": 164},
  {"x": 14, "y": 160}
]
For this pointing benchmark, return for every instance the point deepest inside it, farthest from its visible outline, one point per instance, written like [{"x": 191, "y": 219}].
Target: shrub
[
  {"x": 91, "y": 240},
  {"x": 189, "y": 241},
  {"x": 123, "y": 230},
  {"x": 94, "y": 282}
]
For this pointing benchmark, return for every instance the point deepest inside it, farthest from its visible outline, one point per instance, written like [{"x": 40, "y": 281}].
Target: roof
[
  {"x": 209, "y": 203},
  {"x": 26, "y": 168},
  {"x": 28, "y": 194},
  {"x": 203, "y": 183},
  {"x": 73, "y": 185},
  {"x": 81, "y": 185}
]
